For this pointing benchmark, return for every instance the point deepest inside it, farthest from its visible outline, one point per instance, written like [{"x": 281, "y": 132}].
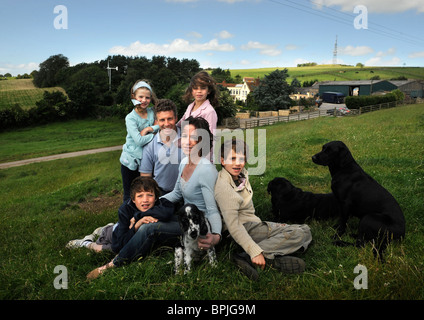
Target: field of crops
[{"x": 22, "y": 92}]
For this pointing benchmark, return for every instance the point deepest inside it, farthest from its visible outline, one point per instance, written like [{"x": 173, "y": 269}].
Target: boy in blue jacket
[{"x": 143, "y": 221}]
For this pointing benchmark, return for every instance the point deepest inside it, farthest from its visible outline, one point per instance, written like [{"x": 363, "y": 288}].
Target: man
[{"x": 162, "y": 155}]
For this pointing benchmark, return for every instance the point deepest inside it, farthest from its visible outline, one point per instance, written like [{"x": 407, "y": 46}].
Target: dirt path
[{"x": 57, "y": 156}]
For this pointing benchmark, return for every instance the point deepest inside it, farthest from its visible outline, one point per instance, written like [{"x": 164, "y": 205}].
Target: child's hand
[
  {"x": 132, "y": 222},
  {"x": 146, "y": 219},
  {"x": 259, "y": 261},
  {"x": 146, "y": 131}
]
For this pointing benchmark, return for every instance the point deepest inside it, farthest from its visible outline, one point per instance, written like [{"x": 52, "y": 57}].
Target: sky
[{"x": 230, "y": 34}]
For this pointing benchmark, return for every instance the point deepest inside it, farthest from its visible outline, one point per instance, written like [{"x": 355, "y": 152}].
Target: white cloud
[
  {"x": 375, "y": 5},
  {"x": 194, "y": 34},
  {"x": 379, "y": 61},
  {"x": 15, "y": 69},
  {"x": 176, "y": 46},
  {"x": 224, "y": 34},
  {"x": 355, "y": 51},
  {"x": 291, "y": 47},
  {"x": 265, "y": 49},
  {"x": 419, "y": 54}
]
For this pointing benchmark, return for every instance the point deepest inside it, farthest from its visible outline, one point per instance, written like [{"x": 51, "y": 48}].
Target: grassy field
[
  {"x": 335, "y": 73},
  {"x": 45, "y": 205},
  {"x": 23, "y": 92},
  {"x": 61, "y": 137}
]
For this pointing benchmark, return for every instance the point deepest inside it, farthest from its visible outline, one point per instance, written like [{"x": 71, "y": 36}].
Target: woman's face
[{"x": 189, "y": 139}]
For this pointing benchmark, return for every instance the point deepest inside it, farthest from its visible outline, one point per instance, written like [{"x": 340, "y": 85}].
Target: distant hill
[
  {"x": 336, "y": 73},
  {"x": 23, "y": 92}
]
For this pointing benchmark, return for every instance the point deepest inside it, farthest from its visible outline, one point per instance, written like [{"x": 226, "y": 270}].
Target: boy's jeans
[{"x": 146, "y": 237}]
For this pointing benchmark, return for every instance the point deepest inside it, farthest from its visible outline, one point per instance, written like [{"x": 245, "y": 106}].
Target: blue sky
[{"x": 234, "y": 34}]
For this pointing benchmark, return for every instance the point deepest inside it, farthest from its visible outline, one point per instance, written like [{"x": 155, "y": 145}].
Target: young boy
[
  {"x": 263, "y": 242},
  {"x": 143, "y": 221}
]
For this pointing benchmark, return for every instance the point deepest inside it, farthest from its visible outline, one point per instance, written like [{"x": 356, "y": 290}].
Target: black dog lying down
[
  {"x": 381, "y": 218},
  {"x": 292, "y": 204}
]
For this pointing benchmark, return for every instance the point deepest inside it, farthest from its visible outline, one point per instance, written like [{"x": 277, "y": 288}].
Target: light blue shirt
[
  {"x": 199, "y": 190},
  {"x": 132, "y": 151},
  {"x": 162, "y": 161}
]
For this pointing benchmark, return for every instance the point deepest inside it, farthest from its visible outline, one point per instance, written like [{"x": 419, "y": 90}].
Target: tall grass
[{"x": 41, "y": 210}]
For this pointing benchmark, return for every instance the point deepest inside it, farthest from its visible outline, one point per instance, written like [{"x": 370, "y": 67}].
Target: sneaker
[
  {"x": 242, "y": 260},
  {"x": 288, "y": 264},
  {"x": 78, "y": 243}
]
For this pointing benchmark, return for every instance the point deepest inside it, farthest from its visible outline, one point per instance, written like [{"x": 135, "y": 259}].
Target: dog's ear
[
  {"x": 344, "y": 155},
  {"x": 203, "y": 224}
]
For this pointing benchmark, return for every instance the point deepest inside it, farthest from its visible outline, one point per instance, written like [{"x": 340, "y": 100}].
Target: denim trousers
[
  {"x": 277, "y": 239},
  {"x": 146, "y": 237}
]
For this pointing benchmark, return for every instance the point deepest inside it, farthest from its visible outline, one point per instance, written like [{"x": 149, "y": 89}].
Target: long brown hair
[{"x": 203, "y": 78}]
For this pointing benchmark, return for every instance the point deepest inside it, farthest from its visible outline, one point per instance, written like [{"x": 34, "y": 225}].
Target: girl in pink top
[{"x": 203, "y": 90}]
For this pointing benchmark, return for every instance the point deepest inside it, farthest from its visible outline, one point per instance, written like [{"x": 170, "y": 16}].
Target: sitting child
[
  {"x": 263, "y": 242},
  {"x": 104, "y": 234},
  {"x": 143, "y": 221}
]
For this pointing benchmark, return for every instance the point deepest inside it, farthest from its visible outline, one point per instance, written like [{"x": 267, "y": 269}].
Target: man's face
[{"x": 166, "y": 121}]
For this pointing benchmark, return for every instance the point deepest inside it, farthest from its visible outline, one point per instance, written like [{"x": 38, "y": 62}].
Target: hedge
[{"x": 363, "y": 101}]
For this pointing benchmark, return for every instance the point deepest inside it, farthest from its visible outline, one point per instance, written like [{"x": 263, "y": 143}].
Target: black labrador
[
  {"x": 381, "y": 218},
  {"x": 292, "y": 204}
]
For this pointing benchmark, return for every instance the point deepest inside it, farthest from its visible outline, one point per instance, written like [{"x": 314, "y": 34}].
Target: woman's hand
[{"x": 210, "y": 241}]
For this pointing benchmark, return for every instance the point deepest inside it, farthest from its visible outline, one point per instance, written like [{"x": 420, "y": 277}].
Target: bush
[
  {"x": 13, "y": 117},
  {"x": 363, "y": 101}
]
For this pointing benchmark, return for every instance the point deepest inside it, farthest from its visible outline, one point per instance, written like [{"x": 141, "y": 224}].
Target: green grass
[
  {"x": 43, "y": 206},
  {"x": 61, "y": 137},
  {"x": 335, "y": 73},
  {"x": 22, "y": 92}
]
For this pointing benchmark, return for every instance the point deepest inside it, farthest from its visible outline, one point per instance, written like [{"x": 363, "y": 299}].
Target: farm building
[
  {"x": 412, "y": 88},
  {"x": 359, "y": 87}
]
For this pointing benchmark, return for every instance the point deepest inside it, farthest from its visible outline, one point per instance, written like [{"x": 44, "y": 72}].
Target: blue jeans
[{"x": 146, "y": 237}]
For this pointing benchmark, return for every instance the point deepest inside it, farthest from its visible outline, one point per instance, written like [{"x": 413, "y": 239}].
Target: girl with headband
[{"x": 140, "y": 131}]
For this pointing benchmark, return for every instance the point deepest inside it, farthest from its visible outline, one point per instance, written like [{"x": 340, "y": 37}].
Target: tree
[
  {"x": 46, "y": 76},
  {"x": 273, "y": 91},
  {"x": 220, "y": 75},
  {"x": 295, "y": 84}
]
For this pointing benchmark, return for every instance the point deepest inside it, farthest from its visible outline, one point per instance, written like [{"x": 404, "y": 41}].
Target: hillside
[
  {"x": 23, "y": 92},
  {"x": 336, "y": 73}
]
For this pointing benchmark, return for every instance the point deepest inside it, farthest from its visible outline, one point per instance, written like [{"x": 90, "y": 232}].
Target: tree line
[{"x": 89, "y": 92}]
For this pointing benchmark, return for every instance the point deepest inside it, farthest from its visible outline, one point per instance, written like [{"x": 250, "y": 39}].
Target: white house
[{"x": 240, "y": 91}]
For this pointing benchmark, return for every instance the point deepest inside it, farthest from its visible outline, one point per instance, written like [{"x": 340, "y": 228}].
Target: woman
[{"x": 197, "y": 177}]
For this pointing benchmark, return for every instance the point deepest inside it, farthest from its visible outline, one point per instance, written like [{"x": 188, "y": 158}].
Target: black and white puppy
[{"x": 193, "y": 224}]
